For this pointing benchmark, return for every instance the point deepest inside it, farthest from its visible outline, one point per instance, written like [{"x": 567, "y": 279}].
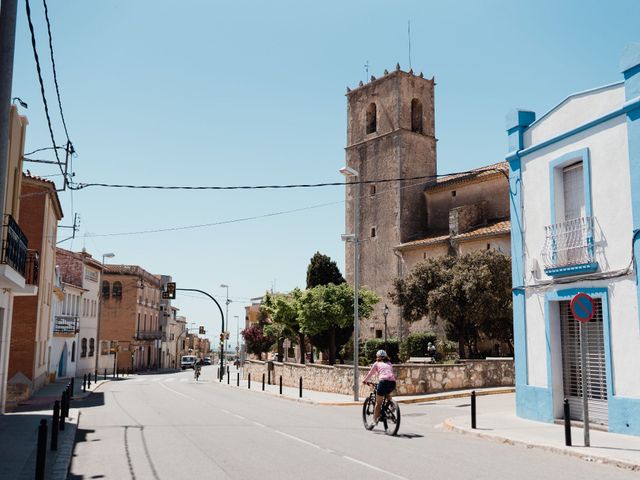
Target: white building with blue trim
[{"x": 575, "y": 225}]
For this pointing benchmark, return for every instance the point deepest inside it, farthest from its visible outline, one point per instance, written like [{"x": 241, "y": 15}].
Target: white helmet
[{"x": 381, "y": 354}]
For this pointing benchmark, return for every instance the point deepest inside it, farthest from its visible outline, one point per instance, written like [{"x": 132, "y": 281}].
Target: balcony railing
[
  {"x": 569, "y": 246},
  {"x": 149, "y": 335},
  {"x": 14, "y": 246},
  {"x": 65, "y": 324},
  {"x": 31, "y": 268}
]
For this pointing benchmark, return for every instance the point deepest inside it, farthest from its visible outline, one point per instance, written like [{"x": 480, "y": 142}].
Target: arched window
[
  {"x": 73, "y": 351},
  {"x": 117, "y": 289},
  {"x": 105, "y": 289},
  {"x": 92, "y": 347},
  {"x": 83, "y": 348},
  {"x": 416, "y": 116},
  {"x": 372, "y": 118}
]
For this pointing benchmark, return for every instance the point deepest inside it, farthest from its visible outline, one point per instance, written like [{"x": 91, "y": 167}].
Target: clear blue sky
[{"x": 252, "y": 92}]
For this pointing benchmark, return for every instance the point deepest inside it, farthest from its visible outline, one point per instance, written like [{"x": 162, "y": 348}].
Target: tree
[
  {"x": 470, "y": 293},
  {"x": 284, "y": 311},
  {"x": 327, "y": 308},
  {"x": 323, "y": 271},
  {"x": 256, "y": 340}
]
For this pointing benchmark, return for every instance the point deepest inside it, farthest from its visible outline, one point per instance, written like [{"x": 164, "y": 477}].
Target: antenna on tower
[
  {"x": 409, "y": 38},
  {"x": 366, "y": 71}
]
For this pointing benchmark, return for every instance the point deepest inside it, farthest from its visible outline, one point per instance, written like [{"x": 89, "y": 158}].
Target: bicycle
[
  {"x": 196, "y": 373},
  {"x": 389, "y": 413}
]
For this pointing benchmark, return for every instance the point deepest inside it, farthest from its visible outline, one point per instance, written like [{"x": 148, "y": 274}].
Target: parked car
[
  {"x": 207, "y": 360},
  {"x": 188, "y": 361}
]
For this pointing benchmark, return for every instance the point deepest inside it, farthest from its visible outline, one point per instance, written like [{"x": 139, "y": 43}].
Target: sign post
[{"x": 583, "y": 309}]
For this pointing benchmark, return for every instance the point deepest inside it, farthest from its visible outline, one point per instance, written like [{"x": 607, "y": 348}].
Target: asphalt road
[{"x": 167, "y": 426}]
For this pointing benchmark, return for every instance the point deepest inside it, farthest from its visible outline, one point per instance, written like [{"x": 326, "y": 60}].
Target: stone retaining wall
[{"x": 411, "y": 379}]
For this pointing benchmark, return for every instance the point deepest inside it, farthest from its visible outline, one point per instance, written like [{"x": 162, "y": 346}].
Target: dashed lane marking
[
  {"x": 372, "y": 467},
  {"x": 175, "y": 391}
]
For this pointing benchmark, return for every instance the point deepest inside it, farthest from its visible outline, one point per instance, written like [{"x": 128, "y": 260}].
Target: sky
[{"x": 207, "y": 92}]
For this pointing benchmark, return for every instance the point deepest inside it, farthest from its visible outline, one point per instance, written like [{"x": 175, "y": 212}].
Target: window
[
  {"x": 416, "y": 115},
  {"x": 105, "y": 289},
  {"x": 488, "y": 246},
  {"x": 117, "y": 289},
  {"x": 453, "y": 193},
  {"x": 83, "y": 348},
  {"x": 372, "y": 118},
  {"x": 373, "y": 232},
  {"x": 104, "y": 347},
  {"x": 92, "y": 347},
  {"x": 424, "y": 255},
  {"x": 73, "y": 351},
  {"x": 573, "y": 191},
  {"x": 372, "y": 190},
  {"x": 378, "y": 333}
]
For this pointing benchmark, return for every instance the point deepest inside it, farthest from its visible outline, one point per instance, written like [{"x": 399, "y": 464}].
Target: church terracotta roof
[
  {"x": 502, "y": 227},
  {"x": 481, "y": 172}
]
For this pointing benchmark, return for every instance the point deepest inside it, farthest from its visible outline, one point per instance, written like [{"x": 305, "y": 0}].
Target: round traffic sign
[{"x": 582, "y": 307}]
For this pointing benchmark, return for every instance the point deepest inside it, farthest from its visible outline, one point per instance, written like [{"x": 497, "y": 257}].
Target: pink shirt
[{"x": 384, "y": 371}]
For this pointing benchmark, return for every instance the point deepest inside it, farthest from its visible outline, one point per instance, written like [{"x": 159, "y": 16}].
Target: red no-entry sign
[{"x": 582, "y": 307}]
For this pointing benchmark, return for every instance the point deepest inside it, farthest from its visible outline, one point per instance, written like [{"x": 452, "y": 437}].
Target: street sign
[
  {"x": 583, "y": 310},
  {"x": 582, "y": 307}
]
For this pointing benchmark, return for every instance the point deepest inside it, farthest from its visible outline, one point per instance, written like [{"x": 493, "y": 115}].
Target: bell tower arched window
[
  {"x": 117, "y": 289},
  {"x": 416, "y": 115},
  {"x": 372, "y": 118}
]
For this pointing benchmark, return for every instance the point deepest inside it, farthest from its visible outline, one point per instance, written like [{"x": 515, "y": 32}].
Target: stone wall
[{"x": 411, "y": 379}]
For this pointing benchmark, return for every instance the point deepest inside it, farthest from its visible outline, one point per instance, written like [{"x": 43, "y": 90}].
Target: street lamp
[
  {"x": 385, "y": 312},
  {"x": 237, "y": 334},
  {"x": 226, "y": 314},
  {"x": 107, "y": 255},
  {"x": 351, "y": 174}
]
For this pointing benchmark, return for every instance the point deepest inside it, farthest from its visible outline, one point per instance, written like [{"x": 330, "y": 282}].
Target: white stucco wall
[{"x": 89, "y": 319}]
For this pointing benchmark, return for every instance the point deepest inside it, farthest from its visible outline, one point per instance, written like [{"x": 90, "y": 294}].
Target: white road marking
[
  {"x": 364, "y": 464},
  {"x": 226, "y": 411},
  {"x": 238, "y": 416},
  {"x": 176, "y": 392},
  {"x": 259, "y": 424},
  {"x": 298, "y": 439}
]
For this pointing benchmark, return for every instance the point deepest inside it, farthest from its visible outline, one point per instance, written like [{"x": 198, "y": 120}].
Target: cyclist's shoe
[{"x": 371, "y": 426}]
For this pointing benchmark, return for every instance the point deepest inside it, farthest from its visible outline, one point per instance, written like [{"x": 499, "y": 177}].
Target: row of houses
[{"x": 64, "y": 313}]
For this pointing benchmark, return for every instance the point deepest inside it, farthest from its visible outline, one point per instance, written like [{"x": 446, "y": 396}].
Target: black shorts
[{"x": 385, "y": 387}]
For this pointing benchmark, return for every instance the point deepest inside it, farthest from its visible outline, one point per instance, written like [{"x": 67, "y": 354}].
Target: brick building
[
  {"x": 130, "y": 318},
  {"x": 29, "y": 357}
]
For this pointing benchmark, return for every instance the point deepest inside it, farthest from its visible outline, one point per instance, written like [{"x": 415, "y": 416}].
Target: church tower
[{"x": 390, "y": 135}]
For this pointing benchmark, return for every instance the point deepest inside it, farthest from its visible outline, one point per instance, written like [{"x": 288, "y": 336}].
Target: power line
[
  {"x": 55, "y": 76},
  {"x": 44, "y": 97}
]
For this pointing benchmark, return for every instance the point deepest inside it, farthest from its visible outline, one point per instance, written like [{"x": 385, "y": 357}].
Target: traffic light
[
  {"x": 221, "y": 337},
  {"x": 201, "y": 330},
  {"x": 171, "y": 290}
]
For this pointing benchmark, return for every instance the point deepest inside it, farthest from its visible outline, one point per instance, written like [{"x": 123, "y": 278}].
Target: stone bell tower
[{"x": 390, "y": 135}]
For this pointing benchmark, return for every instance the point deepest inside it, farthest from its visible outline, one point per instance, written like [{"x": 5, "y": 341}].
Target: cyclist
[
  {"x": 196, "y": 369},
  {"x": 386, "y": 381}
]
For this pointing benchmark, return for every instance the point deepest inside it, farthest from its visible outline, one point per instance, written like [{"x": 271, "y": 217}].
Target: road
[{"x": 167, "y": 426}]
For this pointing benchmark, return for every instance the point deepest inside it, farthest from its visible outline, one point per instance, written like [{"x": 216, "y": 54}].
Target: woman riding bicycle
[{"x": 386, "y": 381}]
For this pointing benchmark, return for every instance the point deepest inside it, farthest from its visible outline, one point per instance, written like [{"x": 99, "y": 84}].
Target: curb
[{"x": 450, "y": 426}]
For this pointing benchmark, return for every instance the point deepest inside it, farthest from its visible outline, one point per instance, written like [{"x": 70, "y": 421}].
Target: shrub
[
  {"x": 417, "y": 343},
  {"x": 373, "y": 345}
]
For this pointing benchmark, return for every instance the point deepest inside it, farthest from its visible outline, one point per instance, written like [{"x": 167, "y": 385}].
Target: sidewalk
[
  {"x": 504, "y": 427},
  {"x": 19, "y": 433}
]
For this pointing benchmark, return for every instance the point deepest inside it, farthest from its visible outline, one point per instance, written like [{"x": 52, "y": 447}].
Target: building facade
[
  {"x": 18, "y": 262},
  {"x": 575, "y": 218},
  {"x": 130, "y": 329},
  {"x": 29, "y": 358},
  {"x": 82, "y": 270}
]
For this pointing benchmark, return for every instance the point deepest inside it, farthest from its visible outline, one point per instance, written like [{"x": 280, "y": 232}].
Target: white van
[{"x": 188, "y": 361}]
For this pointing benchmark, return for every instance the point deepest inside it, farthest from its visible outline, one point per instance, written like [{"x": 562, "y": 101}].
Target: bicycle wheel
[
  {"x": 391, "y": 420},
  {"x": 367, "y": 412}
]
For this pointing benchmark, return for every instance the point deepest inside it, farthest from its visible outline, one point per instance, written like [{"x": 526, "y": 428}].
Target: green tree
[
  {"x": 327, "y": 308},
  {"x": 470, "y": 293},
  {"x": 284, "y": 311},
  {"x": 323, "y": 271}
]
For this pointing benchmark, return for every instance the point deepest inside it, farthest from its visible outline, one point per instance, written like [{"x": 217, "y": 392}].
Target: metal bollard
[
  {"x": 228, "y": 378},
  {"x": 95, "y": 376},
  {"x": 567, "y": 423},
  {"x": 280, "y": 384},
  {"x": 84, "y": 383},
  {"x": 249, "y": 381},
  {"x": 88, "y": 380},
  {"x": 473, "y": 409},
  {"x": 227, "y": 370},
  {"x": 263, "y": 382},
  {"x": 105, "y": 373},
  {"x": 268, "y": 377},
  {"x": 55, "y": 425},
  {"x": 237, "y": 379},
  {"x": 41, "y": 455},
  {"x": 63, "y": 402},
  {"x": 300, "y": 387},
  {"x": 218, "y": 373}
]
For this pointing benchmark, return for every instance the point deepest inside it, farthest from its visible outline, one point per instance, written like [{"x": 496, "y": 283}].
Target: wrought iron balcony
[
  {"x": 149, "y": 335},
  {"x": 14, "y": 246},
  {"x": 31, "y": 268},
  {"x": 569, "y": 247},
  {"x": 65, "y": 325}
]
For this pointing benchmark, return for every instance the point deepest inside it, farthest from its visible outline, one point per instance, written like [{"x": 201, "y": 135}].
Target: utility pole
[{"x": 8, "y": 12}]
